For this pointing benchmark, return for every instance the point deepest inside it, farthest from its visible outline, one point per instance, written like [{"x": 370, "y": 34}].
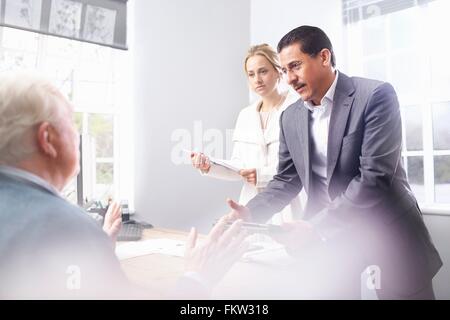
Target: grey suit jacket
[
  {"x": 366, "y": 181},
  {"x": 52, "y": 249}
]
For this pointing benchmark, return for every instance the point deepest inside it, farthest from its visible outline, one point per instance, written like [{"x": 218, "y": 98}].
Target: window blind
[
  {"x": 102, "y": 22},
  {"x": 356, "y": 10}
]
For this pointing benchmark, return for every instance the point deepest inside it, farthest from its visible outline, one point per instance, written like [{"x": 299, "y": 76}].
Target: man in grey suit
[
  {"x": 50, "y": 248},
  {"x": 341, "y": 142}
]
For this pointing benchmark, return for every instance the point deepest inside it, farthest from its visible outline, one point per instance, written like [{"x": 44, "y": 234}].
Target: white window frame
[
  {"x": 428, "y": 153},
  {"x": 120, "y": 147}
]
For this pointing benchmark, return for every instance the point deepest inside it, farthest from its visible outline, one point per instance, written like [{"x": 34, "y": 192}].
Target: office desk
[
  {"x": 156, "y": 271},
  {"x": 254, "y": 278}
]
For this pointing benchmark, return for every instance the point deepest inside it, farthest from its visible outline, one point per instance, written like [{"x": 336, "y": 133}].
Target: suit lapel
[
  {"x": 303, "y": 132},
  {"x": 342, "y": 102}
]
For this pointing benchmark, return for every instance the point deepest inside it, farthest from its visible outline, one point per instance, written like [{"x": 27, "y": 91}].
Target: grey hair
[{"x": 26, "y": 101}]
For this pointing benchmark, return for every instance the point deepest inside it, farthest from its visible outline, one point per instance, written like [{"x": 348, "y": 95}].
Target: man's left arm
[{"x": 380, "y": 156}]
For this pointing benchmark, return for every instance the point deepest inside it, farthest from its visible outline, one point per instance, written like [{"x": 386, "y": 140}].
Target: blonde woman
[{"x": 256, "y": 135}]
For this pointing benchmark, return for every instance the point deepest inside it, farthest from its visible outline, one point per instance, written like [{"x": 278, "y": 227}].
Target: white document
[
  {"x": 142, "y": 248},
  {"x": 224, "y": 163},
  {"x": 220, "y": 162}
]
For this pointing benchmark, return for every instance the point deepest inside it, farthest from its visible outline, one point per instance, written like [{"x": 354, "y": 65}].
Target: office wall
[
  {"x": 271, "y": 20},
  {"x": 188, "y": 87}
]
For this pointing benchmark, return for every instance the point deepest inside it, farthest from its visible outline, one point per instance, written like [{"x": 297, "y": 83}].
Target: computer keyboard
[{"x": 130, "y": 232}]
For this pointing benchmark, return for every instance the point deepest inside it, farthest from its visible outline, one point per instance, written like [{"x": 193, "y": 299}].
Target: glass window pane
[
  {"x": 98, "y": 72},
  {"x": 403, "y": 82},
  {"x": 374, "y": 36},
  {"x": 64, "y": 48},
  {"x": 78, "y": 119},
  {"x": 20, "y": 40},
  {"x": 59, "y": 69},
  {"x": 412, "y": 119},
  {"x": 375, "y": 69},
  {"x": 91, "y": 94},
  {"x": 440, "y": 78},
  {"x": 104, "y": 186},
  {"x": 441, "y": 128},
  {"x": 440, "y": 67},
  {"x": 104, "y": 173},
  {"x": 416, "y": 177},
  {"x": 85, "y": 74},
  {"x": 442, "y": 179},
  {"x": 101, "y": 129},
  {"x": 404, "y": 28},
  {"x": 95, "y": 53},
  {"x": 16, "y": 60},
  {"x": 66, "y": 87}
]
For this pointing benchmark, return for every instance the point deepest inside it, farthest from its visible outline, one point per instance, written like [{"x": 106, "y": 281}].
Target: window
[
  {"x": 407, "y": 49},
  {"x": 91, "y": 76}
]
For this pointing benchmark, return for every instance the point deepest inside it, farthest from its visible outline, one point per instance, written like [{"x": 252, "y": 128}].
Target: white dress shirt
[{"x": 319, "y": 126}]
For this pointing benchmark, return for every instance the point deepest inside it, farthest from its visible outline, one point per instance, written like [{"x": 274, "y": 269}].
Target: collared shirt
[
  {"x": 28, "y": 177},
  {"x": 319, "y": 126}
]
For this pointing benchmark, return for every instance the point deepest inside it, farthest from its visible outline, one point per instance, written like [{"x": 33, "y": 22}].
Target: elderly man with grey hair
[{"x": 50, "y": 248}]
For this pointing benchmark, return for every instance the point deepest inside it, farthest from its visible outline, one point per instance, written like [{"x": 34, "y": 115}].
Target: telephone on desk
[{"x": 131, "y": 230}]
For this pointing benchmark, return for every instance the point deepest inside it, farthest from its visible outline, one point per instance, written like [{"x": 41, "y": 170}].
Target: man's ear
[
  {"x": 325, "y": 56},
  {"x": 46, "y": 139}
]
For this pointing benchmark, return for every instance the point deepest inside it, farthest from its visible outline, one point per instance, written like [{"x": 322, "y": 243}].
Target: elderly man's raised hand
[
  {"x": 212, "y": 257},
  {"x": 113, "y": 221}
]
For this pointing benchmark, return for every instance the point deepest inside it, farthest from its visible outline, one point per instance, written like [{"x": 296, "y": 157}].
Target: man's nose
[{"x": 291, "y": 77}]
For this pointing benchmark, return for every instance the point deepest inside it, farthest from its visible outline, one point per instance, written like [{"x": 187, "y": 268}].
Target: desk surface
[
  {"x": 156, "y": 271},
  {"x": 250, "y": 279}
]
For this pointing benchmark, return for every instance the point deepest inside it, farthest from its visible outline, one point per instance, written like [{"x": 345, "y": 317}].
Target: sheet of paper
[
  {"x": 225, "y": 164},
  {"x": 141, "y": 248},
  {"x": 220, "y": 162}
]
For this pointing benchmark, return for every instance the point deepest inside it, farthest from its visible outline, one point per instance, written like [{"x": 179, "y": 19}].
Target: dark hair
[{"x": 311, "y": 39}]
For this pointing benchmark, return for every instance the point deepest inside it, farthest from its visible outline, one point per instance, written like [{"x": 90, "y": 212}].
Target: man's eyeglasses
[{"x": 293, "y": 66}]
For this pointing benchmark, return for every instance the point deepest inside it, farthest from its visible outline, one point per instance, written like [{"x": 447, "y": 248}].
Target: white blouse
[{"x": 256, "y": 148}]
